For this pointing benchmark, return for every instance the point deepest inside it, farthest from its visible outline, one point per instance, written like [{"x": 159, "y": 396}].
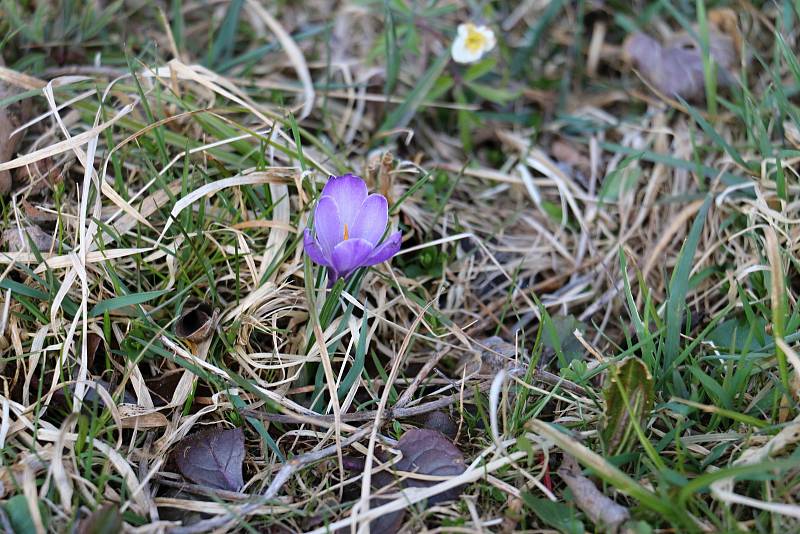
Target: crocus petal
[
  {"x": 349, "y": 192},
  {"x": 370, "y": 223},
  {"x": 386, "y": 250},
  {"x": 327, "y": 225},
  {"x": 313, "y": 249},
  {"x": 350, "y": 254}
]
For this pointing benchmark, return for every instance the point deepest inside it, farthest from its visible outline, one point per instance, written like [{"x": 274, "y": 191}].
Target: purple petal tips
[{"x": 348, "y": 226}]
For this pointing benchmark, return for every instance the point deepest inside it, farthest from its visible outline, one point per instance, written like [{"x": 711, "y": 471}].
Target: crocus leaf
[
  {"x": 213, "y": 458},
  {"x": 429, "y": 452},
  {"x": 631, "y": 377},
  {"x": 104, "y": 520}
]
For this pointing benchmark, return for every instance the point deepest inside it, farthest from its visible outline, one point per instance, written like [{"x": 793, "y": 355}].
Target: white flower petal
[{"x": 472, "y": 42}]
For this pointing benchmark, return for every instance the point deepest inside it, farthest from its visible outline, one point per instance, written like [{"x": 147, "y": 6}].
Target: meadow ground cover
[{"x": 562, "y": 294}]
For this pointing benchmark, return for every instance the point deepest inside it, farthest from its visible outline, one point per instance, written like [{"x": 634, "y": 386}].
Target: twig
[
  {"x": 405, "y": 398},
  {"x": 604, "y": 513},
  {"x": 390, "y": 413},
  {"x": 398, "y": 412},
  {"x": 202, "y": 490}
]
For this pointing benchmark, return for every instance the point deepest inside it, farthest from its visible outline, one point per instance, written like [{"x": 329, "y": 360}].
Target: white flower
[{"x": 472, "y": 42}]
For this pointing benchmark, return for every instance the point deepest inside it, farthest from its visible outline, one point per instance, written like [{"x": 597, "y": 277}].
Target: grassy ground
[{"x": 592, "y": 271}]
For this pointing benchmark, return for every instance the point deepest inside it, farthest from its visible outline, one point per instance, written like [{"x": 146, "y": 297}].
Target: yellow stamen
[
  {"x": 475, "y": 39},
  {"x": 346, "y": 233}
]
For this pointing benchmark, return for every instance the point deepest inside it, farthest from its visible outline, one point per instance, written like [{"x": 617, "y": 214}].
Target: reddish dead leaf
[
  {"x": 675, "y": 67},
  {"x": 213, "y": 458},
  {"x": 95, "y": 351},
  {"x": 429, "y": 452},
  {"x": 425, "y": 452},
  {"x": 442, "y": 422},
  {"x": 382, "y": 483}
]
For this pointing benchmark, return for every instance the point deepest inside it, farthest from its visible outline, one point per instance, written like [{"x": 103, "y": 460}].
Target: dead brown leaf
[
  {"x": 213, "y": 458},
  {"x": 566, "y": 152},
  {"x": 39, "y": 175},
  {"x": 441, "y": 422},
  {"x": 135, "y": 416},
  {"x": 429, "y": 452},
  {"x": 675, "y": 68},
  {"x": 196, "y": 322},
  {"x": 11, "y": 118},
  {"x": 16, "y": 239},
  {"x": 37, "y": 215}
]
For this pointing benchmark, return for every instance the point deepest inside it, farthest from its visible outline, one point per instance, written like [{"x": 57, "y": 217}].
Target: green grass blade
[{"x": 679, "y": 285}]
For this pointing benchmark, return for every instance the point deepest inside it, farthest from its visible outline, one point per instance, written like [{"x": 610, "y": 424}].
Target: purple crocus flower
[{"x": 348, "y": 227}]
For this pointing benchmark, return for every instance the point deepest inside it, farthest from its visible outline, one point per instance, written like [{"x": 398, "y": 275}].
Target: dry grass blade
[
  {"x": 154, "y": 281},
  {"x": 294, "y": 53}
]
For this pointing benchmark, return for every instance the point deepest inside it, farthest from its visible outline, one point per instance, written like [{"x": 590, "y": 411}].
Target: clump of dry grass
[{"x": 570, "y": 236}]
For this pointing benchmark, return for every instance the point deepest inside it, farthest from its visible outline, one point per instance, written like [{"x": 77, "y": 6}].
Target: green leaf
[
  {"x": 559, "y": 337},
  {"x": 736, "y": 335},
  {"x": 631, "y": 377},
  {"x": 392, "y": 56},
  {"x": 19, "y": 514},
  {"x": 260, "y": 428},
  {"x": 405, "y": 111},
  {"x": 358, "y": 361},
  {"x": 555, "y": 514},
  {"x": 22, "y": 289},
  {"x": 608, "y": 472},
  {"x": 620, "y": 180},
  {"x": 717, "y": 139},
  {"x": 479, "y": 69},
  {"x": 226, "y": 36},
  {"x": 443, "y": 84},
  {"x": 496, "y": 95},
  {"x": 125, "y": 300}
]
